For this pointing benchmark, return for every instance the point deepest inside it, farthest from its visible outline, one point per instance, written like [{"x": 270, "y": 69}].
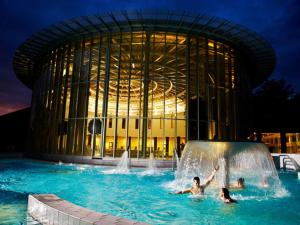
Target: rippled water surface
[{"x": 139, "y": 195}]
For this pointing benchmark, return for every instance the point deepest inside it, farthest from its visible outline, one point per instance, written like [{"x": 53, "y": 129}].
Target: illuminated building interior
[
  {"x": 143, "y": 85},
  {"x": 83, "y": 67},
  {"x": 273, "y": 141}
]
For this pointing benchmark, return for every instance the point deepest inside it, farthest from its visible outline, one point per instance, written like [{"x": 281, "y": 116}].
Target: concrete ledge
[
  {"x": 106, "y": 161},
  {"x": 50, "y": 209}
]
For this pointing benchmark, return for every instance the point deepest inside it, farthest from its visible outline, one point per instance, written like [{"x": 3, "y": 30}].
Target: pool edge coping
[{"x": 50, "y": 209}]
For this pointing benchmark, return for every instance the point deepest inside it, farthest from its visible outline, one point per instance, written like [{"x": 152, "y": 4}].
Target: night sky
[{"x": 276, "y": 21}]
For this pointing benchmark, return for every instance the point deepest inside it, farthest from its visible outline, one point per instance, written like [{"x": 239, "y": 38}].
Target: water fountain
[
  {"x": 123, "y": 164},
  {"x": 122, "y": 167},
  {"x": 249, "y": 160},
  {"x": 177, "y": 159},
  {"x": 151, "y": 163},
  {"x": 151, "y": 168}
]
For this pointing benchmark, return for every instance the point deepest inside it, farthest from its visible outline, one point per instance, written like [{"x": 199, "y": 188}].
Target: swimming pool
[{"x": 139, "y": 196}]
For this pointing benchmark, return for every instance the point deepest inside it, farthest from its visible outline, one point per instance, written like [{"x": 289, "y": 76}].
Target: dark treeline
[
  {"x": 14, "y": 129},
  {"x": 276, "y": 107}
]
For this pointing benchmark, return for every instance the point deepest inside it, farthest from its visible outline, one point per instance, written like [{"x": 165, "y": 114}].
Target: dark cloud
[{"x": 277, "y": 21}]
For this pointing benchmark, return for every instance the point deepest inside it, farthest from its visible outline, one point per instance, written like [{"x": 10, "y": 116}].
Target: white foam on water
[
  {"x": 197, "y": 196},
  {"x": 177, "y": 184},
  {"x": 281, "y": 193},
  {"x": 122, "y": 167},
  {"x": 116, "y": 171},
  {"x": 149, "y": 172},
  {"x": 80, "y": 168},
  {"x": 240, "y": 197}
]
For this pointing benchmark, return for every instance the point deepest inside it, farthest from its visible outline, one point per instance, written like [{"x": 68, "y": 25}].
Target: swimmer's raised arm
[
  {"x": 211, "y": 177},
  {"x": 184, "y": 191}
]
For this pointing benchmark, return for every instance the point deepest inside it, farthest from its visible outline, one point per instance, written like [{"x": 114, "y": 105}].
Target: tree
[
  {"x": 294, "y": 112},
  {"x": 271, "y": 104}
]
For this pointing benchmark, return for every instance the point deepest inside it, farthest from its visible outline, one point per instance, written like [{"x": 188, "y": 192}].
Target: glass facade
[{"x": 99, "y": 95}]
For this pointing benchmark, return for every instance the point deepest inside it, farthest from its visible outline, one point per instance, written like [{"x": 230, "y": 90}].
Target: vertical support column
[
  {"x": 72, "y": 105},
  {"x": 237, "y": 95},
  {"x": 45, "y": 113},
  {"x": 176, "y": 144},
  {"x": 97, "y": 95},
  {"x": 187, "y": 61},
  {"x": 217, "y": 91},
  {"x": 128, "y": 96},
  {"x": 244, "y": 103},
  {"x": 297, "y": 141},
  {"x": 50, "y": 101},
  {"x": 65, "y": 84},
  {"x": 197, "y": 89},
  {"x": 51, "y": 79},
  {"x": 117, "y": 101},
  {"x": 233, "y": 96},
  {"x": 208, "y": 105},
  {"x": 283, "y": 140},
  {"x": 53, "y": 134},
  {"x": 230, "y": 106},
  {"x": 152, "y": 94},
  {"x": 146, "y": 87},
  {"x": 224, "y": 115},
  {"x": 57, "y": 101},
  {"x": 86, "y": 97},
  {"x": 105, "y": 96},
  {"x": 140, "y": 102},
  {"x": 80, "y": 102},
  {"x": 164, "y": 138}
]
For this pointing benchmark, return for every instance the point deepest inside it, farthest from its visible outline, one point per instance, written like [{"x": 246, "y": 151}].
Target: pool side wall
[{"x": 104, "y": 161}]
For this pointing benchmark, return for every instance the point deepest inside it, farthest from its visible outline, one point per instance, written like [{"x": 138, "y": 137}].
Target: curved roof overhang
[{"x": 258, "y": 50}]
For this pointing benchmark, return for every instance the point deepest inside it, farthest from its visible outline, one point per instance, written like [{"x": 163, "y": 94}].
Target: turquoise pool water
[{"x": 139, "y": 196}]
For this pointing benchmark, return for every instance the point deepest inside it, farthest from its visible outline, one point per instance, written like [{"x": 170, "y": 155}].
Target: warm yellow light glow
[
  {"x": 211, "y": 44},
  {"x": 134, "y": 107}
]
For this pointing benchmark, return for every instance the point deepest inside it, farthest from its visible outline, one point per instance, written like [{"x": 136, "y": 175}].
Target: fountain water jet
[
  {"x": 177, "y": 160},
  {"x": 249, "y": 160},
  {"x": 122, "y": 167},
  {"x": 123, "y": 164},
  {"x": 151, "y": 168},
  {"x": 151, "y": 163}
]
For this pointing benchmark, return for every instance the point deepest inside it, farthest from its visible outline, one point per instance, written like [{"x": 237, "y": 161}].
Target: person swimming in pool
[
  {"x": 198, "y": 189},
  {"x": 224, "y": 195},
  {"x": 265, "y": 182},
  {"x": 240, "y": 184}
]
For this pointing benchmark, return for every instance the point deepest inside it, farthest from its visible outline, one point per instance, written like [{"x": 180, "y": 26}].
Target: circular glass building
[{"x": 144, "y": 81}]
